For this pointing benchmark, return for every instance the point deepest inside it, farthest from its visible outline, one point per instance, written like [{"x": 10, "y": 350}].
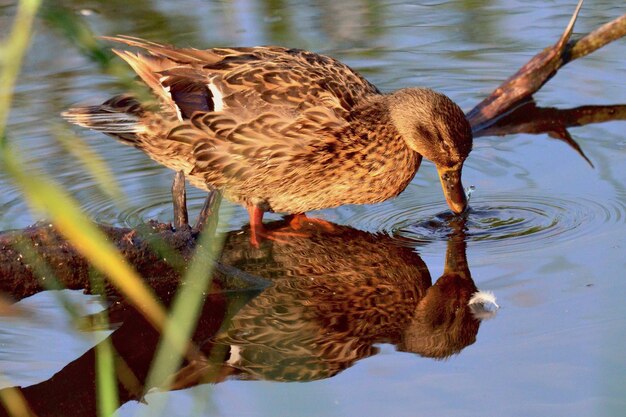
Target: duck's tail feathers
[{"x": 119, "y": 117}]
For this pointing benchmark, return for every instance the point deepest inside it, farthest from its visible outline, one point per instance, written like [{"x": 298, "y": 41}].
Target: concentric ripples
[
  {"x": 150, "y": 203},
  {"x": 500, "y": 223},
  {"x": 139, "y": 208}
]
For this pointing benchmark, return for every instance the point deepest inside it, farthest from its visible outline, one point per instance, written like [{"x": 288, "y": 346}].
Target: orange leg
[
  {"x": 256, "y": 224},
  {"x": 258, "y": 232}
]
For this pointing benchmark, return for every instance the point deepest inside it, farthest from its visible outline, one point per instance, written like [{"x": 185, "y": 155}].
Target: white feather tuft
[
  {"x": 483, "y": 305},
  {"x": 483, "y": 297}
]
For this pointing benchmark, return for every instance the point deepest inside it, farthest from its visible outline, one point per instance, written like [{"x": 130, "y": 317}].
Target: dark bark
[
  {"x": 179, "y": 199},
  {"x": 39, "y": 258},
  {"x": 208, "y": 217}
]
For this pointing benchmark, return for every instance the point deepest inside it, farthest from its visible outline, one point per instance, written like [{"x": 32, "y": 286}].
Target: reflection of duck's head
[
  {"x": 448, "y": 316},
  {"x": 443, "y": 323},
  {"x": 334, "y": 295}
]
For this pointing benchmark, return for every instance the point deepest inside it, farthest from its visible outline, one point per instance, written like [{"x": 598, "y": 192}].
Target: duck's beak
[{"x": 452, "y": 188}]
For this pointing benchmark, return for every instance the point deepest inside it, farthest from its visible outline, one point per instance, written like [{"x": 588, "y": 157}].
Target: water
[{"x": 545, "y": 233}]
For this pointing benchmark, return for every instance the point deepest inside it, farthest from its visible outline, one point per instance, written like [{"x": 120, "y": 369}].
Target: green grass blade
[
  {"x": 14, "y": 402},
  {"x": 185, "y": 311},
  {"x": 13, "y": 50},
  {"x": 77, "y": 32},
  {"x": 106, "y": 379}
]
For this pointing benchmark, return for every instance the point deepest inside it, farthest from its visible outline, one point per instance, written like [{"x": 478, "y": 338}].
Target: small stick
[
  {"x": 606, "y": 33},
  {"x": 524, "y": 82},
  {"x": 209, "y": 212},
  {"x": 179, "y": 199}
]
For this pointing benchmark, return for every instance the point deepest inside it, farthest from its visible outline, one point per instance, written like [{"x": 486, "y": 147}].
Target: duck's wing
[
  {"x": 246, "y": 82},
  {"x": 225, "y": 151},
  {"x": 249, "y": 113}
]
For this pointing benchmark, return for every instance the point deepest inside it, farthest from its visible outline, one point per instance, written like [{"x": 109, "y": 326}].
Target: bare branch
[
  {"x": 597, "y": 39},
  {"x": 543, "y": 66},
  {"x": 179, "y": 199}
]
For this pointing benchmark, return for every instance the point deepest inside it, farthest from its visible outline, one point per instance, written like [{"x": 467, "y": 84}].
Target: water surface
[{"x": 546, "y": 233}]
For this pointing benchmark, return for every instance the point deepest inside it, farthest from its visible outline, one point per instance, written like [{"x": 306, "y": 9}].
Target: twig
[
  {"x": 209, "y": 213},
  {"x": 543, "y": 66},
  {"x": 595, "y": 40},
  {"x": 179, "y": 199}
]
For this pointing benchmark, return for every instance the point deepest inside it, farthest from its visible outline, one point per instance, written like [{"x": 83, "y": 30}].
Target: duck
[{"x": 283, "y": 130}]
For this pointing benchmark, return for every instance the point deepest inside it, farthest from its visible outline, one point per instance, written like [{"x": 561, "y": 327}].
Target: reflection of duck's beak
[{"x": 453, "y": 188}]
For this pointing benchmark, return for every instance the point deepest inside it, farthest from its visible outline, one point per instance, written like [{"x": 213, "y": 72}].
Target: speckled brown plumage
[{"x": 282, "y": 129}]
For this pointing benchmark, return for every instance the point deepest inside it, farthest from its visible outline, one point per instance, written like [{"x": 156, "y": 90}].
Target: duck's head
[{"x": 436, "y": 128}]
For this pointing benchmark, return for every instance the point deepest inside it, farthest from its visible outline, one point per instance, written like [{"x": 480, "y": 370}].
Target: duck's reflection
[{"x": 332, "y": 296}]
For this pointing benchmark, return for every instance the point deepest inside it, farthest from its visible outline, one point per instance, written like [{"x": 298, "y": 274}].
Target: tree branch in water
[{"x": 543, "y": 66}]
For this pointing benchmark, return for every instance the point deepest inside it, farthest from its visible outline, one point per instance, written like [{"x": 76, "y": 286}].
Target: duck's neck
[
  {"x": 372, "y": 132},
  {"x": 373, "y": 154}
]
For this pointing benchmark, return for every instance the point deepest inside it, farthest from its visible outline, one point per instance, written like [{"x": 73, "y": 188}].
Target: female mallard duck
[{"x": 283, "y": 130}]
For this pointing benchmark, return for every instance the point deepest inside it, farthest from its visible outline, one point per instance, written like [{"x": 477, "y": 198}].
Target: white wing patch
[
  {"x": 218, "y": 103},
  {"x": 169, "y": 94},
  {"x": 235, "y": 355},
  {"x": 106, "y": 121}
]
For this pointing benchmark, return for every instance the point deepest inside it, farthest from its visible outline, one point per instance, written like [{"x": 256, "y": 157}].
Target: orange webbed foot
[
  {"x": 281, "y": 235},
  {"x": 298, "y": 221},
  {"x": 294, "y": 228},
  {"x": 258, "y": 232}
]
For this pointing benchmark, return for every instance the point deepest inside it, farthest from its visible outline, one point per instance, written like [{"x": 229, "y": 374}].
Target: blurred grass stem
[{"x": 12, "y": 53}]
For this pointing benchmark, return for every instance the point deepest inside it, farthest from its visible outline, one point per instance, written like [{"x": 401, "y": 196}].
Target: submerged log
[{"x": 39, "y": 258}]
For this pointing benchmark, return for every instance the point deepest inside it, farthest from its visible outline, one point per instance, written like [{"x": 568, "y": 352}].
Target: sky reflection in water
[{"x": 545, "y": 233}]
